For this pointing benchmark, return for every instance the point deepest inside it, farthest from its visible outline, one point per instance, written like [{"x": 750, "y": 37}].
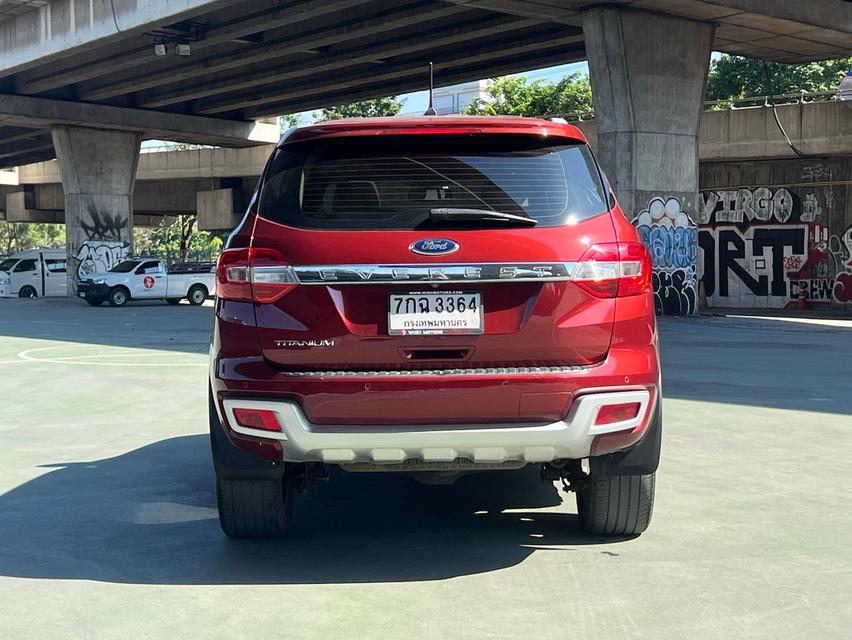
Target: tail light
[
  {"x": 614, "y": 269},
  {"x": 254, "y": 274}
]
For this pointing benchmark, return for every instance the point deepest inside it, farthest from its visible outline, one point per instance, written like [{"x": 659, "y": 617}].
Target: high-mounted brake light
[
  {"x": 258, "y": 275},
  {"x": 614, "y": 269}
]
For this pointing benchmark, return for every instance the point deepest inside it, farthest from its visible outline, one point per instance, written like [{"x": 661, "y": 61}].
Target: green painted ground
[{"x": 108, "y": 526}]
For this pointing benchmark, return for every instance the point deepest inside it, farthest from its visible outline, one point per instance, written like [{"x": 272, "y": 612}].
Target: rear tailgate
[{"x": 342, "y": 324}]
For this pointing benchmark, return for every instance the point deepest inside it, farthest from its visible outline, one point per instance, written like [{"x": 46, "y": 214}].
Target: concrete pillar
[
  {"x": 98, "y": 169},
  {"x": 648, "y": 73}
]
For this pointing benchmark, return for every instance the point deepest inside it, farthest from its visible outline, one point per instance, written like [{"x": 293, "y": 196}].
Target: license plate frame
[{"x": 479, "y": 329}]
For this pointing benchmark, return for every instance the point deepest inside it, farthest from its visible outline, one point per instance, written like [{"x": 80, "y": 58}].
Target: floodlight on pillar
[
  {"x": 183, "y": 49},
  {"x": 160, "y": 49}
]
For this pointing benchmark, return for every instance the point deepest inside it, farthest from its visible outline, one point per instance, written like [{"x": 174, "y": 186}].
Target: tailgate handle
[{"x": 436, "y": 354}]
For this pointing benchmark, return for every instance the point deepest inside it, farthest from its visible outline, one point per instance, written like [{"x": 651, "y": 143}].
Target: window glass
[
  {"x": 55, "y": 265},
  {"x": 125, "y": 267},
  {"x": 7, "y": 264},
  {"x": 151, "y": 266},
  {"x": 394, "y": 182},
  {"x": 25, "y": 265}
]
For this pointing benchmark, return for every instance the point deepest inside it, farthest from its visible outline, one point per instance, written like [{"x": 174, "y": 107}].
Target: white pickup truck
[{"x": 149, "y": 279}]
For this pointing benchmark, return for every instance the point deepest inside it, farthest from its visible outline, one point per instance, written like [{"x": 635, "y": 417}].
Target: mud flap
[{"x": 641, "y": 459}]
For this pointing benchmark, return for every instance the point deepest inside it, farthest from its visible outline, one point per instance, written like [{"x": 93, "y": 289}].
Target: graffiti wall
[
  {"x": 770, "y": 230},
  {"x": 671, "y": 237},
  {"x": 102, "y": 243}
]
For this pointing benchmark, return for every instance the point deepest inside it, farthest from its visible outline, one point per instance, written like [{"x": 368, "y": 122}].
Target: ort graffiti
[
  {"x": 671, "y": 237},
  {"x": 97, "y": 256},
  {"x": 762, "y": 247}
]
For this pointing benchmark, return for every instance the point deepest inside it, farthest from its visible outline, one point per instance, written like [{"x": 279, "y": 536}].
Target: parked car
[
  {"x": 34, "y": 273},
  {"x": 149, "y": 279},
  {"x": 434, "y": 296}
]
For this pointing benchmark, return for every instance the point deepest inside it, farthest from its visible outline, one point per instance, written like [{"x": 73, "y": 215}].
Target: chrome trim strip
[
  {"x": 414, "y": 373},
  {"x": 435, "y": 273}
]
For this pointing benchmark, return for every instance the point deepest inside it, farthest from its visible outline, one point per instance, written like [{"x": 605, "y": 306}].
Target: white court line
[{"x": 26, "y": 357}]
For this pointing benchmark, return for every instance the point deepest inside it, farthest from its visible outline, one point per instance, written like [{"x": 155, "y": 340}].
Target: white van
[{"x": 34, "y": 273}]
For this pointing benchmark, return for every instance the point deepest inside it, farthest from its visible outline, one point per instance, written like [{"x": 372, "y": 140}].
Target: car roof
[{"x": 435, "y": 125}]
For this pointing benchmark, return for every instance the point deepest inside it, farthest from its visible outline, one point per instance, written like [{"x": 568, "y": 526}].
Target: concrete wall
[{"x": 768, "y": 229}]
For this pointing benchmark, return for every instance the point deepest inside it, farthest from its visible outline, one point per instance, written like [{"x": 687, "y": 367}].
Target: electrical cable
[
  {"x": 770, "y": 93},
  {"x": 114, "y": 19}
]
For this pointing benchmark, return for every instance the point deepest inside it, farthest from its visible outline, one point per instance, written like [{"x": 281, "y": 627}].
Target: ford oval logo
[{"x": 434, "y": 246}]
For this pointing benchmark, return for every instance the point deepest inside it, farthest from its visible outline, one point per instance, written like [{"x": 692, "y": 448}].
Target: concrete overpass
[
  {"x": 81, "y": 81},
  {"x": 215, "y": 182}
]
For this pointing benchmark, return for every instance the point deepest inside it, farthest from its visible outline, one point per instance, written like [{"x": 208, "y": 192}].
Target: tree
[
  {"x": 389, "y": 106},
  {"x": 287, "y": 122},
  {"x": 17, "y": 236},
  {"x": 733, "y": 77},
  {"x": 179, "y": 241},
  {"x": 515, "y": 95}
]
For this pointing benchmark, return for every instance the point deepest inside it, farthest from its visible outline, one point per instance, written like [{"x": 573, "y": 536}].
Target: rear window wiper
[{"x": 452, "y": 214}]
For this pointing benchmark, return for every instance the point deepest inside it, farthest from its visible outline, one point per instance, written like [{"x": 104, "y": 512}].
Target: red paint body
[{"x": 613, "y": 340}]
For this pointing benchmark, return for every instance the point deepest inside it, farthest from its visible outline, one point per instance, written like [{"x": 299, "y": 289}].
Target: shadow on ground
[
  {"x": 149, "y": 517},
  {"x": 143, "y": 325},
  {"x": 759, "y": 362}
]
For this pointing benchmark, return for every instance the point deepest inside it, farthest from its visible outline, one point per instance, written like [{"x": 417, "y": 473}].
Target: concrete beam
[
  {"x": 255, "y": 79},
  {"x": 346, "y": 25},
  {"x": 61, "y": 28},
  {"x": 826, "y": 14},
  {"x": 227, "y": 27},
  {"x": 41, "y": 112},
  {"x": 508, "y": 45},
  {"x": 217, "y": 209}
]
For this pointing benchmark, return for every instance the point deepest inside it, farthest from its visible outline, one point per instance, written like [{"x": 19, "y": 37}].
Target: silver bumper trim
[
  {"x": 415, "y": 373},
  {"x": 570, "y": 438}
]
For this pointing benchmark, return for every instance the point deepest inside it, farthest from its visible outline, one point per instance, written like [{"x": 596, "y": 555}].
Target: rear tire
[
  {"x": 254, "y": 508},
  {"x": 118, "y": 297},
  {"x": 616, "y": 505},
  {"x": 173, "y": 300},
  {"x": 27, "y": 292},
  {"x": 197, "y": 295}
]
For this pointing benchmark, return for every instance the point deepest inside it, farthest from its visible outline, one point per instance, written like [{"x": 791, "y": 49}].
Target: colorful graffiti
[
  {"x": 760, "y": 247},
  {"x": 671, "y": 237},
  {"x": 840, "y": 248}
]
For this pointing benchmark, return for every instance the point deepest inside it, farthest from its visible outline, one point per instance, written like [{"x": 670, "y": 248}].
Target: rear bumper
[{"x": 569, "y": 438}]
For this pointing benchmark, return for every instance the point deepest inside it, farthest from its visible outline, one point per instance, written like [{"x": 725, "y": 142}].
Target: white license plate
[{"x": 433, "y": 313}]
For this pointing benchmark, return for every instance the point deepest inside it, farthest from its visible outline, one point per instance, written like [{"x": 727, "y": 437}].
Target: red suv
[{"x": 434, "y": 296}]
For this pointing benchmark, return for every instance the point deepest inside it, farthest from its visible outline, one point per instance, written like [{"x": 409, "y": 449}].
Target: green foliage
[
  {"x": 18, "y": 236},
  {"x": 738, "y": 77},
  {"x": 515, "y": 95},
  {"x": 389, "y": 106},
  {"x": 287, "y": 122},
  {"x": 178, "y": 242}
]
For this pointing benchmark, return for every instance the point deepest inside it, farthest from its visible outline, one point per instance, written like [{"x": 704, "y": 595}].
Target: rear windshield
[{"x": 393, "y": 182}]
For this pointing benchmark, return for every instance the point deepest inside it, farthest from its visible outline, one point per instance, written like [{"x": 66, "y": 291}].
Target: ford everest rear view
[{"x": 434, "y": 296}]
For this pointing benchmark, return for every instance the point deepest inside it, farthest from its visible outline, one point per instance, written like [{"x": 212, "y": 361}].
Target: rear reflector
[
  {"x": 614, "y": 269},
  {"x": 257, "y": 419},
  {"x": 612, "y": 413}
]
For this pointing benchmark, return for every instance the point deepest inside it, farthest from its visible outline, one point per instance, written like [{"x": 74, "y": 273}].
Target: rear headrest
[{"x": 355, "y": 195}]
